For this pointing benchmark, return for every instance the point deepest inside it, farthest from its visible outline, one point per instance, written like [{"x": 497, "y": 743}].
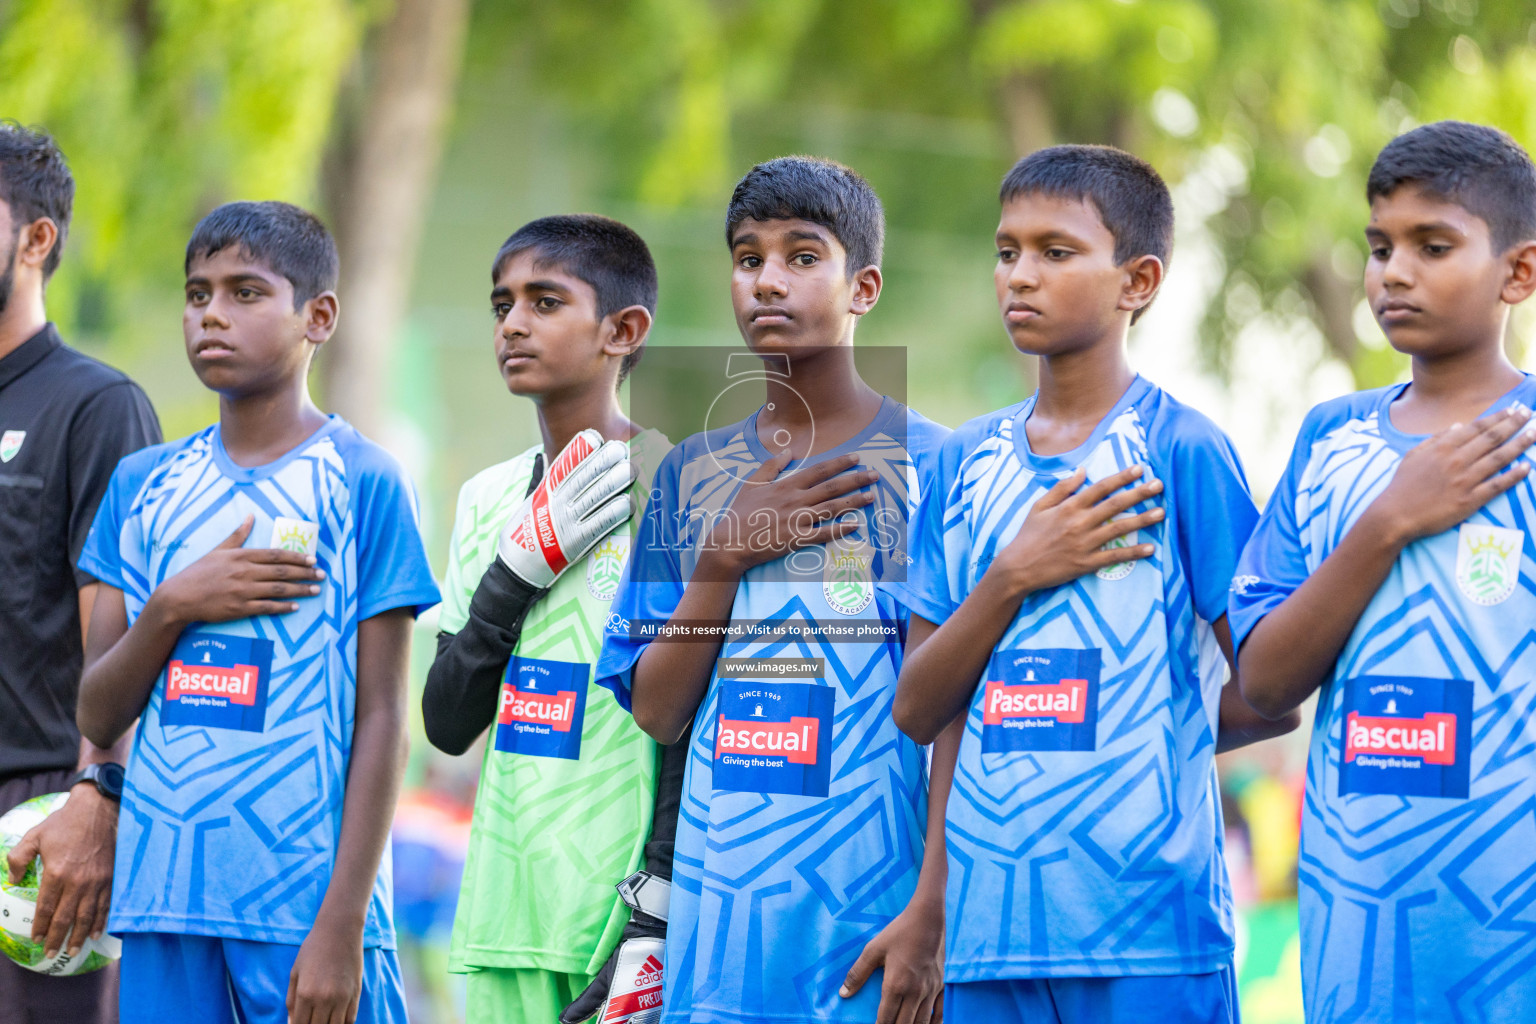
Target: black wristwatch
[{"x": 107, "y": 778}]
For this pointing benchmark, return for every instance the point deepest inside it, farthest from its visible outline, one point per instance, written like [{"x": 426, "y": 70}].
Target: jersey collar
[
  {"x": 1525, "y": 391},
  {"x": 29, "y": 353},
  {"x": 1066, "y": 462}
]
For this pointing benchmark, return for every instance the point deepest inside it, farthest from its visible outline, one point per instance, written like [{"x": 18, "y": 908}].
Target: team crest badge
[
  {"x": 605, "y": 566},
  {"x": 1488, "y": 562},
  {"x": 10, "y": 444},
  {"x": 846, "y": 580},
  {"x": 296, "y": 535},
  {"x": 1118, "y": 570}
]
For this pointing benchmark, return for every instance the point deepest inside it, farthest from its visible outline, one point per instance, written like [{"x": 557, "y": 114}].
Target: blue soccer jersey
[
  {"x": 1084, "y": 824},
  {"x": 1418, "y": 848},
  {"x": 803, "y": 813},
  {"x": 232, "y": 807}
]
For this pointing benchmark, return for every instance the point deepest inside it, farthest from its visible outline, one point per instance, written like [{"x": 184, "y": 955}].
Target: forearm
[
  {"x": 117, "y": 682},
  {"x": 935, "y": 871},
  {"x": 1241, "y": 725},
  {"x": 672, "y": 674},
  {"x": 379, "y": 748},
  {"x": 1238, "y": 724},
  {"x": 1293, "y": 648},
  {"x": 939, "y": 677},
  {"x": 459, "y": 700}
]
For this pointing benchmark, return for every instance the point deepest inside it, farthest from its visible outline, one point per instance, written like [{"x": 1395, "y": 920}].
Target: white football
[{"x": 18, "y": 902}]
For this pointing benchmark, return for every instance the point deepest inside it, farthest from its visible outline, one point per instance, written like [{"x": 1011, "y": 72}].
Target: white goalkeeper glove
[
  {"x": 628, "y": 988},
  {"x": 581, "y": 499}
]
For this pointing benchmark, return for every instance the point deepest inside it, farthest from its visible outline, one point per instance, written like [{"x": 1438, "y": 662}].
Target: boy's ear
[
  {"x": 866, "y": 290},
  {"x": 320, "y": 315},
  {"x": 1143, "y": 277},
  {"x": 1521, "y": 281},
  {"x": 626, "y": 330}
]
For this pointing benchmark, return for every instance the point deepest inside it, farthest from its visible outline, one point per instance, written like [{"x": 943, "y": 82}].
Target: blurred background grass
[{"x": 425, "y": 131}]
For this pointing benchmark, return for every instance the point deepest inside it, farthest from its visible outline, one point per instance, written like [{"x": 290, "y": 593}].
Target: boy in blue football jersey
[
  {"x": 258, "y": 584},
  {"x": 796, "y": 871},
  {"x": 1069, "y": 632},
  {"x": 1391, "y": 573}
]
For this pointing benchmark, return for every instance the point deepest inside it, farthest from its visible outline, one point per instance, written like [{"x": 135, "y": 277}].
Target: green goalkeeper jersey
[{"x": 566, "y": 790}]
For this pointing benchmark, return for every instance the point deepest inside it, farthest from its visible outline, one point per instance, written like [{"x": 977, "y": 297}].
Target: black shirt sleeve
[
  {"x": 459, "y": 700},
  {"x": 117, "y": 421},
  {"x": 669, "y": 800}
]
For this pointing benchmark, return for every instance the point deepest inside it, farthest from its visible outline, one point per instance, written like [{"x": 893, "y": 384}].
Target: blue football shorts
[
  {"x": 196, "y": 979},
  {"x": 1186, "y": 998}
]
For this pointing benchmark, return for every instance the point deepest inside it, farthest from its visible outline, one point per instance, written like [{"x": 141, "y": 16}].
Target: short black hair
[
  {"x": 1474, "y": 166},
  {"x": 821, "y": 191},
  {"x": 35, "y": 182},
  {"x": 609, "y": 256},
  {"x": 1132, "y": 199},
  {"x": 287, "y": 239}
]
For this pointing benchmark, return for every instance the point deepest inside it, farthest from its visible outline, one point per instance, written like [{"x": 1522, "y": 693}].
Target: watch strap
[{"x": 106, "y": 776}]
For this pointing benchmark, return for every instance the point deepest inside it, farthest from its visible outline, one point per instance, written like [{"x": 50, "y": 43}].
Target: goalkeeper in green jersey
[{"x": 569, "y": 783}]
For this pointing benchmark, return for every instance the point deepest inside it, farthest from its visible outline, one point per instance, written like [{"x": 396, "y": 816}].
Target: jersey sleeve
[
  {"x": 1213, "y": 512},
  {"x": 651, "y": 586},
  {"x": 938, "y": 541},
  {"x": 392, "y": 566},
  {"x": 102, "y": 556},
  {"x": 1273, "y": 563},
  {"x": 116, "y": 422},
  {"x": 459, "y": 581}
]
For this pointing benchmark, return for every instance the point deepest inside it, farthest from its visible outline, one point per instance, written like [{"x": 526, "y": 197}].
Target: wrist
[
  {"x": 102, "y": 781},
  {"x": 719, "y": 566},
  {"x": 927, "y": 901},
  {"x": 1007, "y": 582},
  {"x": 1384, "y": 528},
  {"x": 163, "y": 610},
  {"x": 503, "y": 597},
  {"x": 340, "y": 924}
]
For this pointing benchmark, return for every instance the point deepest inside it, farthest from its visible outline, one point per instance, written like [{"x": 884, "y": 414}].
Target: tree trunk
[
  {"x": 1334, "y": 299},
  {"x": 1027, "y": 109},
  {"x": 1031, "y": 126},
  {"x": 381, "y": 188}
]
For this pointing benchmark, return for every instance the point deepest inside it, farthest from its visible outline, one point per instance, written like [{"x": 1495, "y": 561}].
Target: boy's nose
[
  {"x": 1024, "y": 276},
  {"x": 1395, "y": 270},
  {"x": 213, "y": 315},
  {"x": 772, "y": 280},
  {"x": 513, "y": 325}
]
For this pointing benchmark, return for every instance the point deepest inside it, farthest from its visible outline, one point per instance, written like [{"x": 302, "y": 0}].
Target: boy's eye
[
  {"x": 499, "y": 310},
  {"x": 803, "y": 259},
  {"x": 1436, "y": 249},
  {"x": 1380, "y": 252},
  {"x": 196, "y": 295},
  {"x": 246, "y": 293},
  {"x": 546, "y": 303},
  {"x": 750, "y": 262},
  {"x": 1007, "y": 255},
  {"x": 1055, "y": 253}
]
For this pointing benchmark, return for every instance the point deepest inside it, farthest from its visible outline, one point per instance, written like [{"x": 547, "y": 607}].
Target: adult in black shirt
[{"x": 65, "y": 421}]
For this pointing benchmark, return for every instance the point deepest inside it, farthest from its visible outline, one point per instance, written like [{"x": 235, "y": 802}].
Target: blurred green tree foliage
[
  {"x": 1278, "y": 106},
  {"x": 165, "y": 108},
  {"x": 1274, "y": 109}
]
